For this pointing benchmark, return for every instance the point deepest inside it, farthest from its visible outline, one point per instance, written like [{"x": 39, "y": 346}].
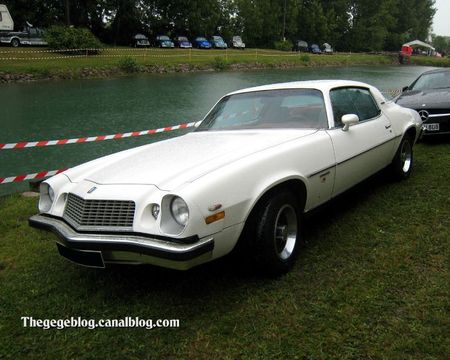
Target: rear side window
[{"x": 357, "y": 101}]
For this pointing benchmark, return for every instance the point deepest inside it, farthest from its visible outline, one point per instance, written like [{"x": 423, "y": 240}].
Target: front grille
[
  {"x": 437, "y": 111},
  {"x": 112, "y": 215}
]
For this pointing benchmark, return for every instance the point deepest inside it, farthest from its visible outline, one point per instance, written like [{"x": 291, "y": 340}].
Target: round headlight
[
  {"x": 46, "y": 198},
  {"x": 179, "y": 210}
]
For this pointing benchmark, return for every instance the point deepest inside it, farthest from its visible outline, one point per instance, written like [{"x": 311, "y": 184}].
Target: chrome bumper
[{"x": 128, "y": 248}]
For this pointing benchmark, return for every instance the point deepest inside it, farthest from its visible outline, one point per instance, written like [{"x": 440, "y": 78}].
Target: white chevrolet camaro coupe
[{"x": 260, "y": 158}]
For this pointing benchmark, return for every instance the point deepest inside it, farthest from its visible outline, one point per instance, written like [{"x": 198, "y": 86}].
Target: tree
[
  {"x": 356, "y": 25},
  {"x": 126, "y": 22},
  {"x": 441, "y": 43}
]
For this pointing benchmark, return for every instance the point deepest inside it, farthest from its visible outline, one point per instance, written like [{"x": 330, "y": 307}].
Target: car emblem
[
  {"x": 91, "y": 190},
  {"x": 215, "y": 207},
  {"x": 424, "y": 115}
]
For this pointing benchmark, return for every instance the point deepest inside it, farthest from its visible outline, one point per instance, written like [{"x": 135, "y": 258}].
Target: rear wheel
[
  {"x": 402, "y": 164},
  {"x": 273, "y": 233}
]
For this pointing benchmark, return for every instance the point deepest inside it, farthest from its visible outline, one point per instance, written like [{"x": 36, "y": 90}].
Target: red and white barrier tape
[
  {"x": 39, "y": 175},
  {"x": 97, "y": 56},
  {"x": 29, "y": 144}
]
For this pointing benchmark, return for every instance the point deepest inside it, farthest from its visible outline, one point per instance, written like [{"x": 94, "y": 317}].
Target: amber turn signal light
[{"x": 212, "y": 218}]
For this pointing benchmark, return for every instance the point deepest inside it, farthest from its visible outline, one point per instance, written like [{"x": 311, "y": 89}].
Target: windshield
[
  {"x": 201, "y": 39},
  {"x": 182, "y": 38},
  {"x": 237, "y": 38},
  {"x": 439, "y": 80},
  {"x": 217, "y": 38},
  {"x": 272, "y": 109}
]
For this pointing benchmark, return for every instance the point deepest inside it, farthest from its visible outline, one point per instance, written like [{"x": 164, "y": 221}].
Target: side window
[
  {"x": 342, "y": 104},
  {"x": 357, "y": 101},
  {"x": 1, "y": 17},
  {"x": 365, "y": 104}
]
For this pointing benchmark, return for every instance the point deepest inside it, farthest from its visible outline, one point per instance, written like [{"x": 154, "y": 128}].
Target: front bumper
[
  {"x": 435, "y": 121},
  {"x": 124, "y": 248}
]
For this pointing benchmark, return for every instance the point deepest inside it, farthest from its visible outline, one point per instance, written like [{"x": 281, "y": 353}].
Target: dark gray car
[{"x": 429, "y": 95}]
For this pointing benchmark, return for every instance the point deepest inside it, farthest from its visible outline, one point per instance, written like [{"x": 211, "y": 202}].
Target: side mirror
[
  {"x": 349, "y": 119},
  {"x": 406, "y": 88}
]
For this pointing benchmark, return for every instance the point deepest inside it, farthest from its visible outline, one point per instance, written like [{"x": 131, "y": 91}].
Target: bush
[
  {"x": 219, "y": 63},
  {"x": 63, "y": 38},
  {"x": 128, "y": 64},
  {"x": 305, "y": 58},
  {"x": 283, "y": 45}
]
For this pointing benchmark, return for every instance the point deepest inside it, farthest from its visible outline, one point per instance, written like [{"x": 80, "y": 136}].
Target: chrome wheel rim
[
  {"x": 285, "y": 233},
  {"x": 406, "y": 156}
]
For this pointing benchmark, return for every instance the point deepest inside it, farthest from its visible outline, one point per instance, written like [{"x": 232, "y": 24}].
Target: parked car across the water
[
  {"x": 217, "y": 42},
  {"x": 300, "y": 46},
  {"x": 315, "y": 49},
  {"x": 201, "y": 42},
  {"x": 140, "y": 40},
  {"x": 327, "y": 49},
  {"x": 237, "y": 43},
  {"x": 182, "y": 42},
  {"x": 163, "y": 41}
]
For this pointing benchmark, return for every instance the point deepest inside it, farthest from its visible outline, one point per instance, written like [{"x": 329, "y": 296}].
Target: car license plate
[{"x": 431, "y": 127}]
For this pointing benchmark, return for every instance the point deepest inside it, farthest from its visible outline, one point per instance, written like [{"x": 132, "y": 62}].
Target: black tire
[
  {"x": 273, "y": 233},
  {"x": 402, "y": 163},
  {"x": 15, "y": 42}
]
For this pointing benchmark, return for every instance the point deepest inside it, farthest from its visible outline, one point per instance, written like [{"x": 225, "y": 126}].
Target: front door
[{"x": 365, "y": 147}]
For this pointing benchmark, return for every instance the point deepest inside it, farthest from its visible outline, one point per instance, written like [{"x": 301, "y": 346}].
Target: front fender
[{"x": 238, "y": 186}]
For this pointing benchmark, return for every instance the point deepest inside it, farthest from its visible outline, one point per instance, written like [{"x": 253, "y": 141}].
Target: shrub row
[{"x": 63, "y": 38}]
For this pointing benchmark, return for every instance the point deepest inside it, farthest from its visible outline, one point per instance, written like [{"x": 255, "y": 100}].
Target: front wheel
[
  {"x": 402, "y": 164},
  {"x": 15, "y": 42},
  {"x": 275, "y": 233}
]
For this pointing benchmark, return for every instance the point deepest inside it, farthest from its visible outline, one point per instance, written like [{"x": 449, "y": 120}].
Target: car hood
[
  {"x": 433, "y": 98},
  {"x": 171, "y": 163}
]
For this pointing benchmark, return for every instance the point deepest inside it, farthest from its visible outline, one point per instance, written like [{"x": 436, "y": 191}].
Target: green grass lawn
[
  {"x": 430, "y": 61},
  {"x": 372, "y": 282},
  {"x": 45, "y": 64},
  {"x": 41, "y": 63}
]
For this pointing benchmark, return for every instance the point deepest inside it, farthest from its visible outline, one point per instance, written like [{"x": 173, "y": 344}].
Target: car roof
[
  {"x": 435, "y": 71},
  {"x": 323, "y": 85}
]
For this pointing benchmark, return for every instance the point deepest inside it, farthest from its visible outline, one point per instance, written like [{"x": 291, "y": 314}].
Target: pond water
[{"x": 71, "y": 109}]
